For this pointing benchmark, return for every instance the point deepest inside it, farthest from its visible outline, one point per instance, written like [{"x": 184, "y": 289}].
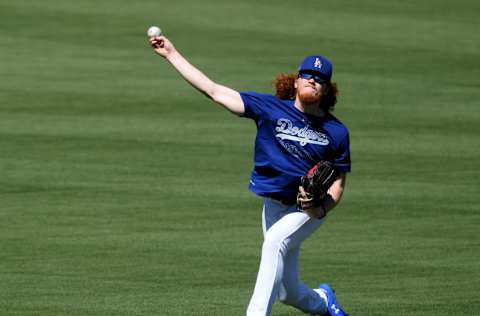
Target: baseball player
[{"x": 295, "y": 130}]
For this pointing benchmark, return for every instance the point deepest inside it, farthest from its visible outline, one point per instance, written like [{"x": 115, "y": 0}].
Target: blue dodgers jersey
[{"x": 289, "y": 143}]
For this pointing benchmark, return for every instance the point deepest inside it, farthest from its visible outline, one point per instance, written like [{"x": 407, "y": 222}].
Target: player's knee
[{"x": 274, "y": 243}]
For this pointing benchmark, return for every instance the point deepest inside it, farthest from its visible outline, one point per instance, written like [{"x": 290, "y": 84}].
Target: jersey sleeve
[
  {"x": 342, "y": 159},
  {"x": 255, "y": 104}
]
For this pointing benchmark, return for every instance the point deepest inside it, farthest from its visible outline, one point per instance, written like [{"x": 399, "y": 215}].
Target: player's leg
[
  {"x": 294, "y": 292},
  {"x": 287, "y": 233},
  {"x": 273, "y": 211}
]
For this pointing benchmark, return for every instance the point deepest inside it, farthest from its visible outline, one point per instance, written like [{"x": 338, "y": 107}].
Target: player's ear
[{"x": 295, "y": 85}]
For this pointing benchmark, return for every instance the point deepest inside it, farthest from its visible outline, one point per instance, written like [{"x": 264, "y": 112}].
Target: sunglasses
[{"x": 316, "y": 78}]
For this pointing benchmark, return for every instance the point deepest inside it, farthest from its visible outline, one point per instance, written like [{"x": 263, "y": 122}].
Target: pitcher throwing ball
[{"x": 301, "y": 159}]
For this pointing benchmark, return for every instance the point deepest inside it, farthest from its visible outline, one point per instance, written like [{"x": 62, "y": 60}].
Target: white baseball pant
[{"x": 284, "y": 229}]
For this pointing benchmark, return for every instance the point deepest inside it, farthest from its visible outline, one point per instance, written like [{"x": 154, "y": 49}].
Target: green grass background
[{"x": 123, "y": 191}]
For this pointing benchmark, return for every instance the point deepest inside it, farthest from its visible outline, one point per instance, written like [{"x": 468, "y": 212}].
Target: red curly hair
[{"x": 285, "y": 89}]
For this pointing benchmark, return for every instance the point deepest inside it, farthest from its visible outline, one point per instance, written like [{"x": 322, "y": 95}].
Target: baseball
[{"x": 154, "y": 31}]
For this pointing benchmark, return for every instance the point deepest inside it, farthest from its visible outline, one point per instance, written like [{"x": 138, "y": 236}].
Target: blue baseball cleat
[{"x": 334, "y": 308}]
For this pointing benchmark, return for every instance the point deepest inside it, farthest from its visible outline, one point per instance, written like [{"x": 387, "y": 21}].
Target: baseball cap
[{"x": 317, "y": 64}]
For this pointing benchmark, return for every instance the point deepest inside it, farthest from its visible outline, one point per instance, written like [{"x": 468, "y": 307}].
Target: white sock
[{"x": 322, "y": 294}]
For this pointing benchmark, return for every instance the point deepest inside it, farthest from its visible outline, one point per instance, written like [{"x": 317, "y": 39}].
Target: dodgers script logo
[{"x": 304, "y": 135}]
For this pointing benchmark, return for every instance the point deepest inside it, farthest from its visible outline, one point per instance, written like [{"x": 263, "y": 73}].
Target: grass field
[{"x": 124, "y": 192}]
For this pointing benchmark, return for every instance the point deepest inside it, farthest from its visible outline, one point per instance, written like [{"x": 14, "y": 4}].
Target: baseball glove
[{"x": 315, "y": 184}]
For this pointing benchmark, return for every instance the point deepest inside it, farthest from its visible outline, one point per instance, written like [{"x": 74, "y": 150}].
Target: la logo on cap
[{"x": 318, "y": 63}]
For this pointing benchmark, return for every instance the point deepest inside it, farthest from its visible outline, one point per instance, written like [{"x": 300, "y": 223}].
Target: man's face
[{"x": 308, "y": 90}]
